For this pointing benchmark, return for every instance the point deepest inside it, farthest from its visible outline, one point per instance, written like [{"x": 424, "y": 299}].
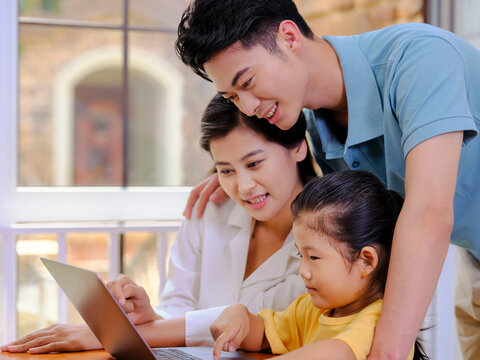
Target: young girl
[
  {"x": 239, "y": 252},
  {"x": 343, "y": 227}
]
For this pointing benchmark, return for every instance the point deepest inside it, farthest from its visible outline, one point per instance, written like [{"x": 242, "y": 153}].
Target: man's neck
[{"x": 326, "y": 86}]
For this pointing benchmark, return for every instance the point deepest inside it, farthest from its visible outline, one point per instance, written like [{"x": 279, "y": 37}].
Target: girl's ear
[
  {"x": 300, "y": 151},
  {"x": 369, "y": 260}
]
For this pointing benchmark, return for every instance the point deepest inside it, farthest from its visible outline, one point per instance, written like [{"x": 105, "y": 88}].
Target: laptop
[{"x": 109, "y": 322}]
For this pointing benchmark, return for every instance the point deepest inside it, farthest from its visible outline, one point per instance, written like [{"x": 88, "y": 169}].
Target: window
[
  {"x": 98, "y": 118},
  {"x": 105, "y": 114}
]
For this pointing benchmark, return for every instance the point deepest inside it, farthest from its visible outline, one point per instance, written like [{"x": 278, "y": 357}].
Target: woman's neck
[{"x": 267, "y": 238}]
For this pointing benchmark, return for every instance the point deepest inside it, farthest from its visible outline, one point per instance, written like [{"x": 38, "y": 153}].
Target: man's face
[{"x": 271, "y": 86}]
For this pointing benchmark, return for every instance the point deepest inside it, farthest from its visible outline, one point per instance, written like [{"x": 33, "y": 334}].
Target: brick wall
[{"x": 347, "y": 17}]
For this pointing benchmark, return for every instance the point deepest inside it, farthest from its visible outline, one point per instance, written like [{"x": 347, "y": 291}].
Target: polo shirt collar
[{"x": 365, "y": 108}]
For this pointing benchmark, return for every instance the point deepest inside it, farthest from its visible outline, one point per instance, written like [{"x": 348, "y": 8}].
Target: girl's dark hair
[
  {"x": 210, "y": 26},
  {"x": 221, "y": 116},
  {"x": 356, "y": 209}
]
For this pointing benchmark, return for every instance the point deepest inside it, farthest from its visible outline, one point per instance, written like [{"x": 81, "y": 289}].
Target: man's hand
[
  {"x": 133, "y": 299},
  {"x": 208, "y": 189},
  {"x": 56, "y": 338}
]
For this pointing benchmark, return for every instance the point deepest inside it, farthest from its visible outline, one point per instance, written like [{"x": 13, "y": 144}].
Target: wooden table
[{"x": 84, "y": 355}]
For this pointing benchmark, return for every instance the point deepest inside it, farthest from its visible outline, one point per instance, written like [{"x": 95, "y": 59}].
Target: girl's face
[
  {"x": 331, "y": 280},
  {"x": 258, "y": 174}
]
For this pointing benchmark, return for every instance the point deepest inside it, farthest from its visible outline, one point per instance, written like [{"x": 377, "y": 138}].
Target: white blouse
[{"x": 207, "y": 266}]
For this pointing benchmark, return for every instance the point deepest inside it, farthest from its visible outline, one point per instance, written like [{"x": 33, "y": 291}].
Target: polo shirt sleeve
[
  {"x": 428, "y": 92},
  {"x": 282, "y": 329}
]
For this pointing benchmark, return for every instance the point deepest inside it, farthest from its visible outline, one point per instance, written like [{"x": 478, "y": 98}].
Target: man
[{"x": 402, "y": 102}]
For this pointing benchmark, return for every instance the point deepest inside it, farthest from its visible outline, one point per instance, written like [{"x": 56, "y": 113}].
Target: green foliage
[{"x": 48, "y": 6}]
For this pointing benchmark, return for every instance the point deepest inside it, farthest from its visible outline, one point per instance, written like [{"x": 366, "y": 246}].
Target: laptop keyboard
[{"x": 173, "y": 354}]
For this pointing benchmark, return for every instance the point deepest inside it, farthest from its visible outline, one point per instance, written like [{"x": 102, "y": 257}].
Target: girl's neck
[{"x": 355, "y": 308}]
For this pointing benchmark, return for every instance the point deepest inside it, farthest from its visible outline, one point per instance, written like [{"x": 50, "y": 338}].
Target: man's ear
[
  {"x": 300, "y": 151},
  {"x": 368, "y": 259},
  {"x": 289, "y": 35}
]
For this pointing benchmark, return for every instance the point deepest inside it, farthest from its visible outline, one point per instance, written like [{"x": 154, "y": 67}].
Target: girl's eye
[
  {"x": 246, "y": 83},
  {"x": 232, "y": 98},
  {"x": 314, "y": 258}
]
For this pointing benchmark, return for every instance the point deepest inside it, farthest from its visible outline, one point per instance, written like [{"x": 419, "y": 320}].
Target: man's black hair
[{"x": 210, "y": 26}]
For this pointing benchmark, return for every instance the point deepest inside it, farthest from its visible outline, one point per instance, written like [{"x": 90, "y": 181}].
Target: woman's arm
[
  {"x": 180, "y": 293},
  {"x": 164, "y": 333}
]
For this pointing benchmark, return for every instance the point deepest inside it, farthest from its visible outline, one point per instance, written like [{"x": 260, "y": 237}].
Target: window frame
[{"x": 33, "y": 204}]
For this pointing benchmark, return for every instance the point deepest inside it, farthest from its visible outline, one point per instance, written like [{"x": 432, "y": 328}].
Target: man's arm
[
  {"x": 420, "y": 244},
  {"x": 207, "y": 190}
]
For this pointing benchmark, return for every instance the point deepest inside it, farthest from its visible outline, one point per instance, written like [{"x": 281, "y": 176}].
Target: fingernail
[
  {"x": 231, "y": 348},
  {"x": 213, "y": 197}
]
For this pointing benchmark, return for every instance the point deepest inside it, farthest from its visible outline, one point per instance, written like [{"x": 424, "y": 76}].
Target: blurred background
[{"x": 96, "y": 106}]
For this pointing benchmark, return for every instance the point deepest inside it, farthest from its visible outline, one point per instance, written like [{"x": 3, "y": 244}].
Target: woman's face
[{"x": 259, "y": 175}]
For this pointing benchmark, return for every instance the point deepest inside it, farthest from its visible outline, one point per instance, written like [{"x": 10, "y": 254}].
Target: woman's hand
[
  {"x": 230, "y": 329},
  {"x": 133, "y": 299},
  {"x": 208, "y": 189},
  {"x": 56, "y": 338}
]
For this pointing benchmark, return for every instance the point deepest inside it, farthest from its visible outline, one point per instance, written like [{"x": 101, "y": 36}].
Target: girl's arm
[
  {"x": 321, "y": 350},
  {"x": 237, "y": 327}
]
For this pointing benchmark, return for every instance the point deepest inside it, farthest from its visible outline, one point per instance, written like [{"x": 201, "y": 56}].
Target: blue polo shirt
[{"x": 405, "y": 84}]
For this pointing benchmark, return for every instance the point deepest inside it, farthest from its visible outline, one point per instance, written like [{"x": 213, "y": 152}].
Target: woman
[{"x": 240, "y": 252}]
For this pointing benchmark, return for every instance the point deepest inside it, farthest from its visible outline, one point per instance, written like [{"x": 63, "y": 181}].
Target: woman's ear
[
  {"x": 368, "y": 259},
  {"x": 300, "y": 151}
]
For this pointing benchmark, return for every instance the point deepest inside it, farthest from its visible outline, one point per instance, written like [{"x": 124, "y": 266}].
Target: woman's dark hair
[
  {"x": 356, "y": 209},
  {"x": 210, "y": 26},
  {"x": 221, "y": 116}
]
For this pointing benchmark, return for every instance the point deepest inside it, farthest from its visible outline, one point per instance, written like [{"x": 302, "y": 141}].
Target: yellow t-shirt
[{"x": 301, "y": 323}]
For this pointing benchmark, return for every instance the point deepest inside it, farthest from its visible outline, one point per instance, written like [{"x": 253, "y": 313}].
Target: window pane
[
  {"x": 70, "y": 118},
  {"x": 37, "y": 304},
  {"x": 166, "y": 103},
  {"x": 140, "y": 263},
  {"x": 88, "y": 251},
  {"x": 466, "y": 20},
  {"x": 158, "y": 13},
  {"x": 106, "y": 11},
  {"x": 71, "y": 113}
]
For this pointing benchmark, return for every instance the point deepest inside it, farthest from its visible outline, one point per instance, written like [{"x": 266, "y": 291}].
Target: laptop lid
[
  {"x": 100, "y": 310},
  {"x": 107, "y": 319}
]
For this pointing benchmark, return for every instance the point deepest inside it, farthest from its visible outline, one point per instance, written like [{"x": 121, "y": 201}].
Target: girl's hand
[
  {"x": 133, "y": 299},
  {"x": 230, "y": 329},
  {"x": 56, "y": 338}
]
